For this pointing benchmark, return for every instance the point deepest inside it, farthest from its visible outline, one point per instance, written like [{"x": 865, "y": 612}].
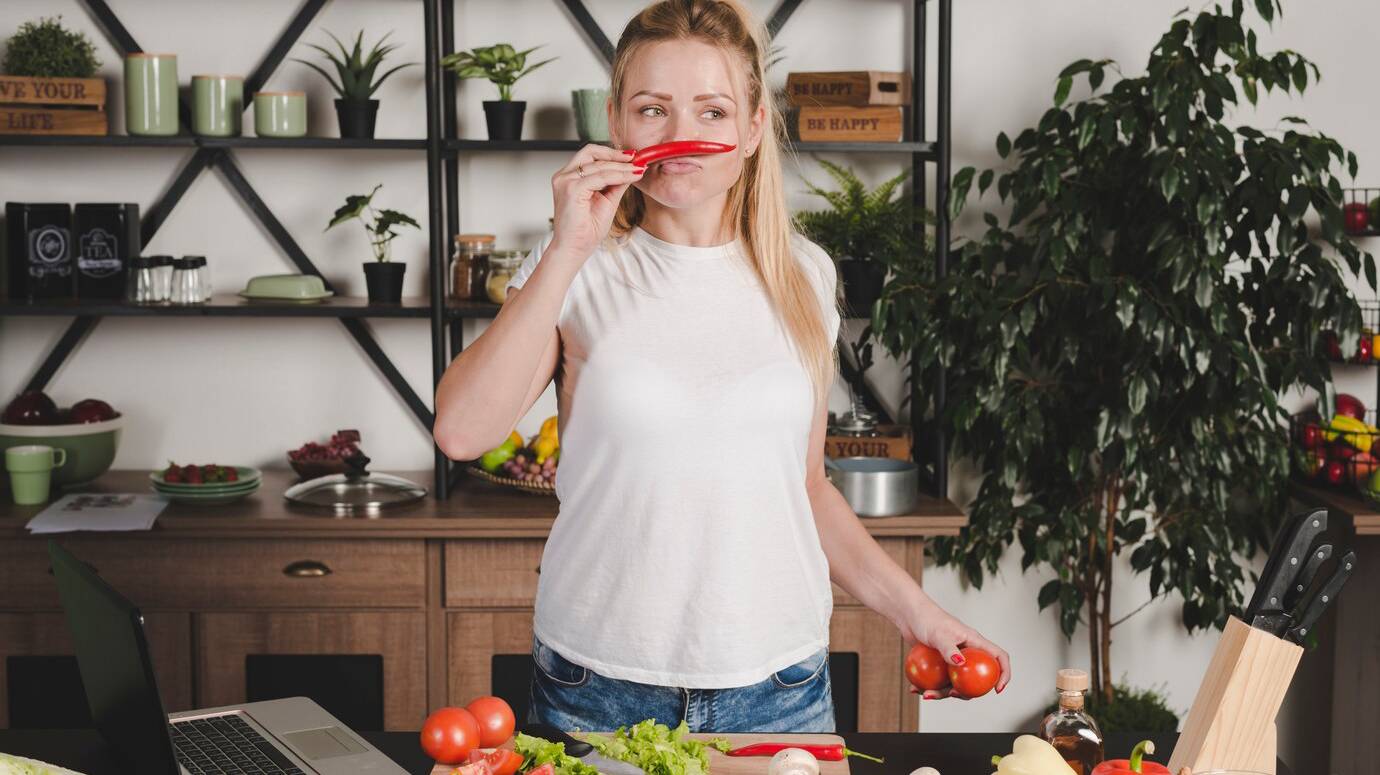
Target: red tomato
[
  {"x": 449, "y": 735},
  {"x": 480, "y": 767},
  {"x": 977, "y": 675},
  {"x": 499, "y": 761},
  {"x": 545, "y": 769},
  {"x": 926, "y": 669},
  {"x": 495, "y": 719}
]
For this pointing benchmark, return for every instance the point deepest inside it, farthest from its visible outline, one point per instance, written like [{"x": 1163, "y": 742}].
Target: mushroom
[{"x": 793, "y": 761}]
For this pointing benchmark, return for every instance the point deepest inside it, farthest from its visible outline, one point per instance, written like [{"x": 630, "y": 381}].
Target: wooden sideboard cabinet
[{"x": 380, "y": 620}]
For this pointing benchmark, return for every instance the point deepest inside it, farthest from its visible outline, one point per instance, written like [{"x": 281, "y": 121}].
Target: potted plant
[
  {"x": 503, "y": 67},
  {"x": 383, "y": 277},
  {"x": 355, "y": 108},
  {"x": 865, "y": 231},
  {"x": 1116, "y": 349},
  {"x": 46, "y": 49}
]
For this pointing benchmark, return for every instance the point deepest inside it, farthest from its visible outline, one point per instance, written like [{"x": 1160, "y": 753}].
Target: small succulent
[{"x": 354, "y": 69}]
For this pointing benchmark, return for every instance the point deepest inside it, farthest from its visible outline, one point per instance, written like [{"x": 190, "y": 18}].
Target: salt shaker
[
  {"x": 203, "y": 275},
  {"x": 186, "y": 288},
  {"x": 162, "y": 272},
  {"x": 141, "y": 283}
]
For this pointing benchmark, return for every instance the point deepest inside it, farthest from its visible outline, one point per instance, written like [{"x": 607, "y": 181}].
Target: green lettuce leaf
[{"x": 658, "y": 749}]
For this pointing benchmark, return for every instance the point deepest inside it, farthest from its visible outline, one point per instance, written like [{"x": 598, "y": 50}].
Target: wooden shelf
[
  {"x": 475, "y": 509},
  {"x": 191, "y": 141},
  {"x": 1364, "y": 514},
  {"x": 231, "y": 305}
]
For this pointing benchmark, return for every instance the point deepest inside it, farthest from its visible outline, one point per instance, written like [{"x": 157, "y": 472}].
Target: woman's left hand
[{"x": 927, "y": 623}]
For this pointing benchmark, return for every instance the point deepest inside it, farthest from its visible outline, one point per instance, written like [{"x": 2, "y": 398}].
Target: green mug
[
  {"x": 31, "y": 467},
  {"x": 151, "y": 94},
  {"x": 591, "y": 116},
  {"x": 280, "y": 113},
  {"x": 217, "y": 105}
]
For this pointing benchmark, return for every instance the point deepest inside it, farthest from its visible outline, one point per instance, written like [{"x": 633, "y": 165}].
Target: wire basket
[
  {"x": 536, "y": 488},
  {"x": 1366, "y": 351},
  {"x": 1341, "y": 459},
  {"x": 1361, "y": 211}
]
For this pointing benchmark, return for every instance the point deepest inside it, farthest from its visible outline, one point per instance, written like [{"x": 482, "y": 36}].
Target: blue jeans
[{"x": 568, "y": 696}]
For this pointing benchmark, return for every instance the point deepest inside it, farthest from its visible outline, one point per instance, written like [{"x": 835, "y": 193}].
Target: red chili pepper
[
  {"x": 828, "y": 753},
  {"x": 655, "y": 153}
]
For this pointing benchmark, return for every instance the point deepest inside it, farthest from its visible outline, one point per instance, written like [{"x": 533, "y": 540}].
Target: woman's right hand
[{"x": 587, "y": 192}]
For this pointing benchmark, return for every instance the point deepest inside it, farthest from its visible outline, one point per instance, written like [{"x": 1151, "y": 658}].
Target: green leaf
[
  {"x": 984, "y": 181},
  {"x": 1135, "y": 395},
  {"x": 1003, "y": 145},
  {"x": 958, "y": 192},
  {"x": 1061, "y": 90},
  {"x": 1266, "y": 9},
  {"x": 1049, "y": 594}
]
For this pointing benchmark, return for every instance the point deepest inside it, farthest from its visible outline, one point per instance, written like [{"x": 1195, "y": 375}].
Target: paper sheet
[{"x": 100, "y": 512}]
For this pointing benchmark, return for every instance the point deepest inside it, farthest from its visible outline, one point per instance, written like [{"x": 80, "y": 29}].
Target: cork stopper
[{"x": 1069, "y": 680}]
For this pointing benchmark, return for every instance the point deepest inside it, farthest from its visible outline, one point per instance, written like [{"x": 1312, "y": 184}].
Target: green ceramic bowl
[
  {"x": 90, "y": 446},
  {"x": 287, "y": 287}
]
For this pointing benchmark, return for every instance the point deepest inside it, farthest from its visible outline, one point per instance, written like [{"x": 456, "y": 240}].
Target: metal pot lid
[
  {"x": 856, "y": 422},
  {"x": 357, "y": 493}
]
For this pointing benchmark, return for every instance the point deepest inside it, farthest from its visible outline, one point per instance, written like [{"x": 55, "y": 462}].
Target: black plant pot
[
  {"x": 357, "y": 118},
  {"x": 504, "y": 118},
  {"x": 385, "y": 280},
  {"x": 862, "y": 284}
]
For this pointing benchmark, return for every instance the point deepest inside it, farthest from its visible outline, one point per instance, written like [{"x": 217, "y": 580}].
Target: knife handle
[
  {"x": 1305, "y": 579},
  {"x": 1324, "y": 598},
  {"x": 573, "y": 746}
]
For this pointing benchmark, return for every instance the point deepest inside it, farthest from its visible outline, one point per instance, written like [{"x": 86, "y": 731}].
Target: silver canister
[{"x": 875, "y": 486}]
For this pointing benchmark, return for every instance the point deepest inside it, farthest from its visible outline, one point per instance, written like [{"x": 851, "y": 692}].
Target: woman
[{"x": 691, "y": 335}]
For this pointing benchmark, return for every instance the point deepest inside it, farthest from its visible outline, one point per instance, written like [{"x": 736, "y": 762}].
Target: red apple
[
  {"x": 32, "y": 407},
  {"x": 1357, "y": 217},
  {"x": 1335, "y": 471},
  {"x": 92, "y": 410},
  {"x": 1310, "y": 435},
  {"x": 1363, "y": 349},
  {"x": 1340, "y": 450},
  {"x": 1350, "y": 406}
]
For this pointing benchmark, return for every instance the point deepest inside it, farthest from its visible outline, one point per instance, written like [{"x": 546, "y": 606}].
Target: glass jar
[
  {"x": 163, "y": 272},
  {"x": 469, "y": 265},
  {"x": 203, "y": 275},
  {"x": 186, "y": 283},
  {"x": 141, "y": 282},
  {"x": 502, "y": 265}
]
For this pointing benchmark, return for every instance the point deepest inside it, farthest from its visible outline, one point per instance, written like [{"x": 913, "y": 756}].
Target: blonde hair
[{"x": 757, "y": 201}]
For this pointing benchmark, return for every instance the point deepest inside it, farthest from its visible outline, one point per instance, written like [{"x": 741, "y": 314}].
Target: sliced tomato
[
  {"x": 545, "y": 769},
  {"x": 480, "y": 767},
  {"x": 501, "y": 761}
]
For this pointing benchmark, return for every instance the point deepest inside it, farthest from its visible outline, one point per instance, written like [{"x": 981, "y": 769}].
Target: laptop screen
[{"x": 113, "y": 657}]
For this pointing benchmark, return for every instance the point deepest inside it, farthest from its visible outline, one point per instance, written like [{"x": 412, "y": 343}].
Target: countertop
[
  {"x": 950, "y": 753},
  {"x": 476, "y": 509}
]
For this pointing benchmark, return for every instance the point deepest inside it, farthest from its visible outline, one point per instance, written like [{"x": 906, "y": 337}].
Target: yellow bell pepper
[{"x": 1032, "y": 756}]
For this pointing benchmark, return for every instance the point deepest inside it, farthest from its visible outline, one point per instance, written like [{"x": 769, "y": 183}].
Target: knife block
[{"x": 1232, "y": 722}]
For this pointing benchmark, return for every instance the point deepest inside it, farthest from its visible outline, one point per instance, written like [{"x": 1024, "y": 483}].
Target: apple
[
  {"x": 92, "y": 410},
  {"x": 1340, "y": 450},
  {"x": 1357, "y": 217},
  {"x": 1335, "y": 472},
  {"x": 32, "y": 407},
  {"x": 1332, "y": 346},
  {"x": 1310, "y": 435},
  {"x": 1350, "y": 406},
  {"x": 1363, "y": 466},
  {"x": 1363, "y": 349}
]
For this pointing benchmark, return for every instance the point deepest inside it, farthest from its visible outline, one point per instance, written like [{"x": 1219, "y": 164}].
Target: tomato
[
  {"x": 480, "y": 767},
  {"x": 545, "y": 769},
  {"x": 500, "y": 761},
  {"x": 495, "y": 719},
  {"x": 926, "y": 668},
  {"x": 449, "y": 735},
  {"x": 977, "y": 675}
]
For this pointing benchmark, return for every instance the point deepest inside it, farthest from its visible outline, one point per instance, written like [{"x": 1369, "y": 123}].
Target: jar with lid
[
  {"x": 502, "y": 265},
  {"x": 186, "y": 282},
  {"x": 141, "y": 282},
  {"x": 203, "y": 275},
  {"x": 469, "y": 265},
  {"x": 163, "y": 272}
]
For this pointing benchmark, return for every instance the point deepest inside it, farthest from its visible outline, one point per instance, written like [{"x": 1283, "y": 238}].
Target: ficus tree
[{"x": 1117, "y": 348}]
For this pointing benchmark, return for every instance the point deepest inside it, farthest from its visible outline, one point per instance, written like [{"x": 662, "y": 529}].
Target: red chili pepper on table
[
  {"x": 828, "y": 753},
  {"x": 655, "y": 153}
]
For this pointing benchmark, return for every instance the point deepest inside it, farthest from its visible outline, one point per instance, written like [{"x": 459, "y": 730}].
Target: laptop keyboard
[{"x": 226, "y": 745}]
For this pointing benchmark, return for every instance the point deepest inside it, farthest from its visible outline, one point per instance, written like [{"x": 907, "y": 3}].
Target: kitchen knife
[
  {"x": 1305, "y": 578},
  {"x": 1323, "y": 599},
  {"x": 581, "y": 750},
  {"x": 1285, "y": 564}
]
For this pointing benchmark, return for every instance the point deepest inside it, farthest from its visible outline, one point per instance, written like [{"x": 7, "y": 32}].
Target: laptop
[{"x": 292, "y": 736}]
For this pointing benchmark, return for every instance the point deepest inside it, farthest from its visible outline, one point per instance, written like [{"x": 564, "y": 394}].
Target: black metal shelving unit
[{"x": 443, "y": 147}]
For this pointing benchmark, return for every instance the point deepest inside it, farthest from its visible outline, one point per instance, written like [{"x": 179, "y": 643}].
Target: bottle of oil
[{"x": 1069, "y": 728}]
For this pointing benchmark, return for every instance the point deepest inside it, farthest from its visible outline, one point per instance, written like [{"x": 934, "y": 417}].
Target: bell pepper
[
  {"x": 1031, "y": 756},
  {"x": 1133, "y": 764}
]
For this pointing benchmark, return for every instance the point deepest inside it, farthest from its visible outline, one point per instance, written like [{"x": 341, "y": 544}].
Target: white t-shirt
[{"x": 685, "y": 551}]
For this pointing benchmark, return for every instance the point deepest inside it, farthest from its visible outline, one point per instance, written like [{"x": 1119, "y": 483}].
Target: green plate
[
  {"x": 245, "y": 487},
  {"x": 209, "y": 498},
  {"x": 246, "y": 474}
]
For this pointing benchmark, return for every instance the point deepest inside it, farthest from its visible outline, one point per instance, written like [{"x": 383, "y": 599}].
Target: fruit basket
[
  {"x": 1366, "y": 351},
  {"x": 528, "y": 466},
  {"x": 1361, "y": 211},
  {"x": 1341, "y": 453},
  {"x": 536, "y": 487}
]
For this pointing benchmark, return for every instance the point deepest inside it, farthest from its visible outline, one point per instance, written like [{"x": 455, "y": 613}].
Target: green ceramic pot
[
  {"x": 280, "y": 114},
  {"x": 90, "y": 447},
  {"x": 151, "y": 94},
  {"x": 217, "y": 105}
]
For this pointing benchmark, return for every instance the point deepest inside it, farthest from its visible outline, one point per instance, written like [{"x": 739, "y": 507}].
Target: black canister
[
  {"x": 39, "y": 250},
  {"x": 106, "y": 238}
]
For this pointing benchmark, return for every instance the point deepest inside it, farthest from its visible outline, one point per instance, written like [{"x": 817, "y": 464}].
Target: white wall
[{"x": 245, "y": 391}]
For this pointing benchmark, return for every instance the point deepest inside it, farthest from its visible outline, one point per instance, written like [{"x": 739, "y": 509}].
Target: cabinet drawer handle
[{"x": 307, "y": 569}]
